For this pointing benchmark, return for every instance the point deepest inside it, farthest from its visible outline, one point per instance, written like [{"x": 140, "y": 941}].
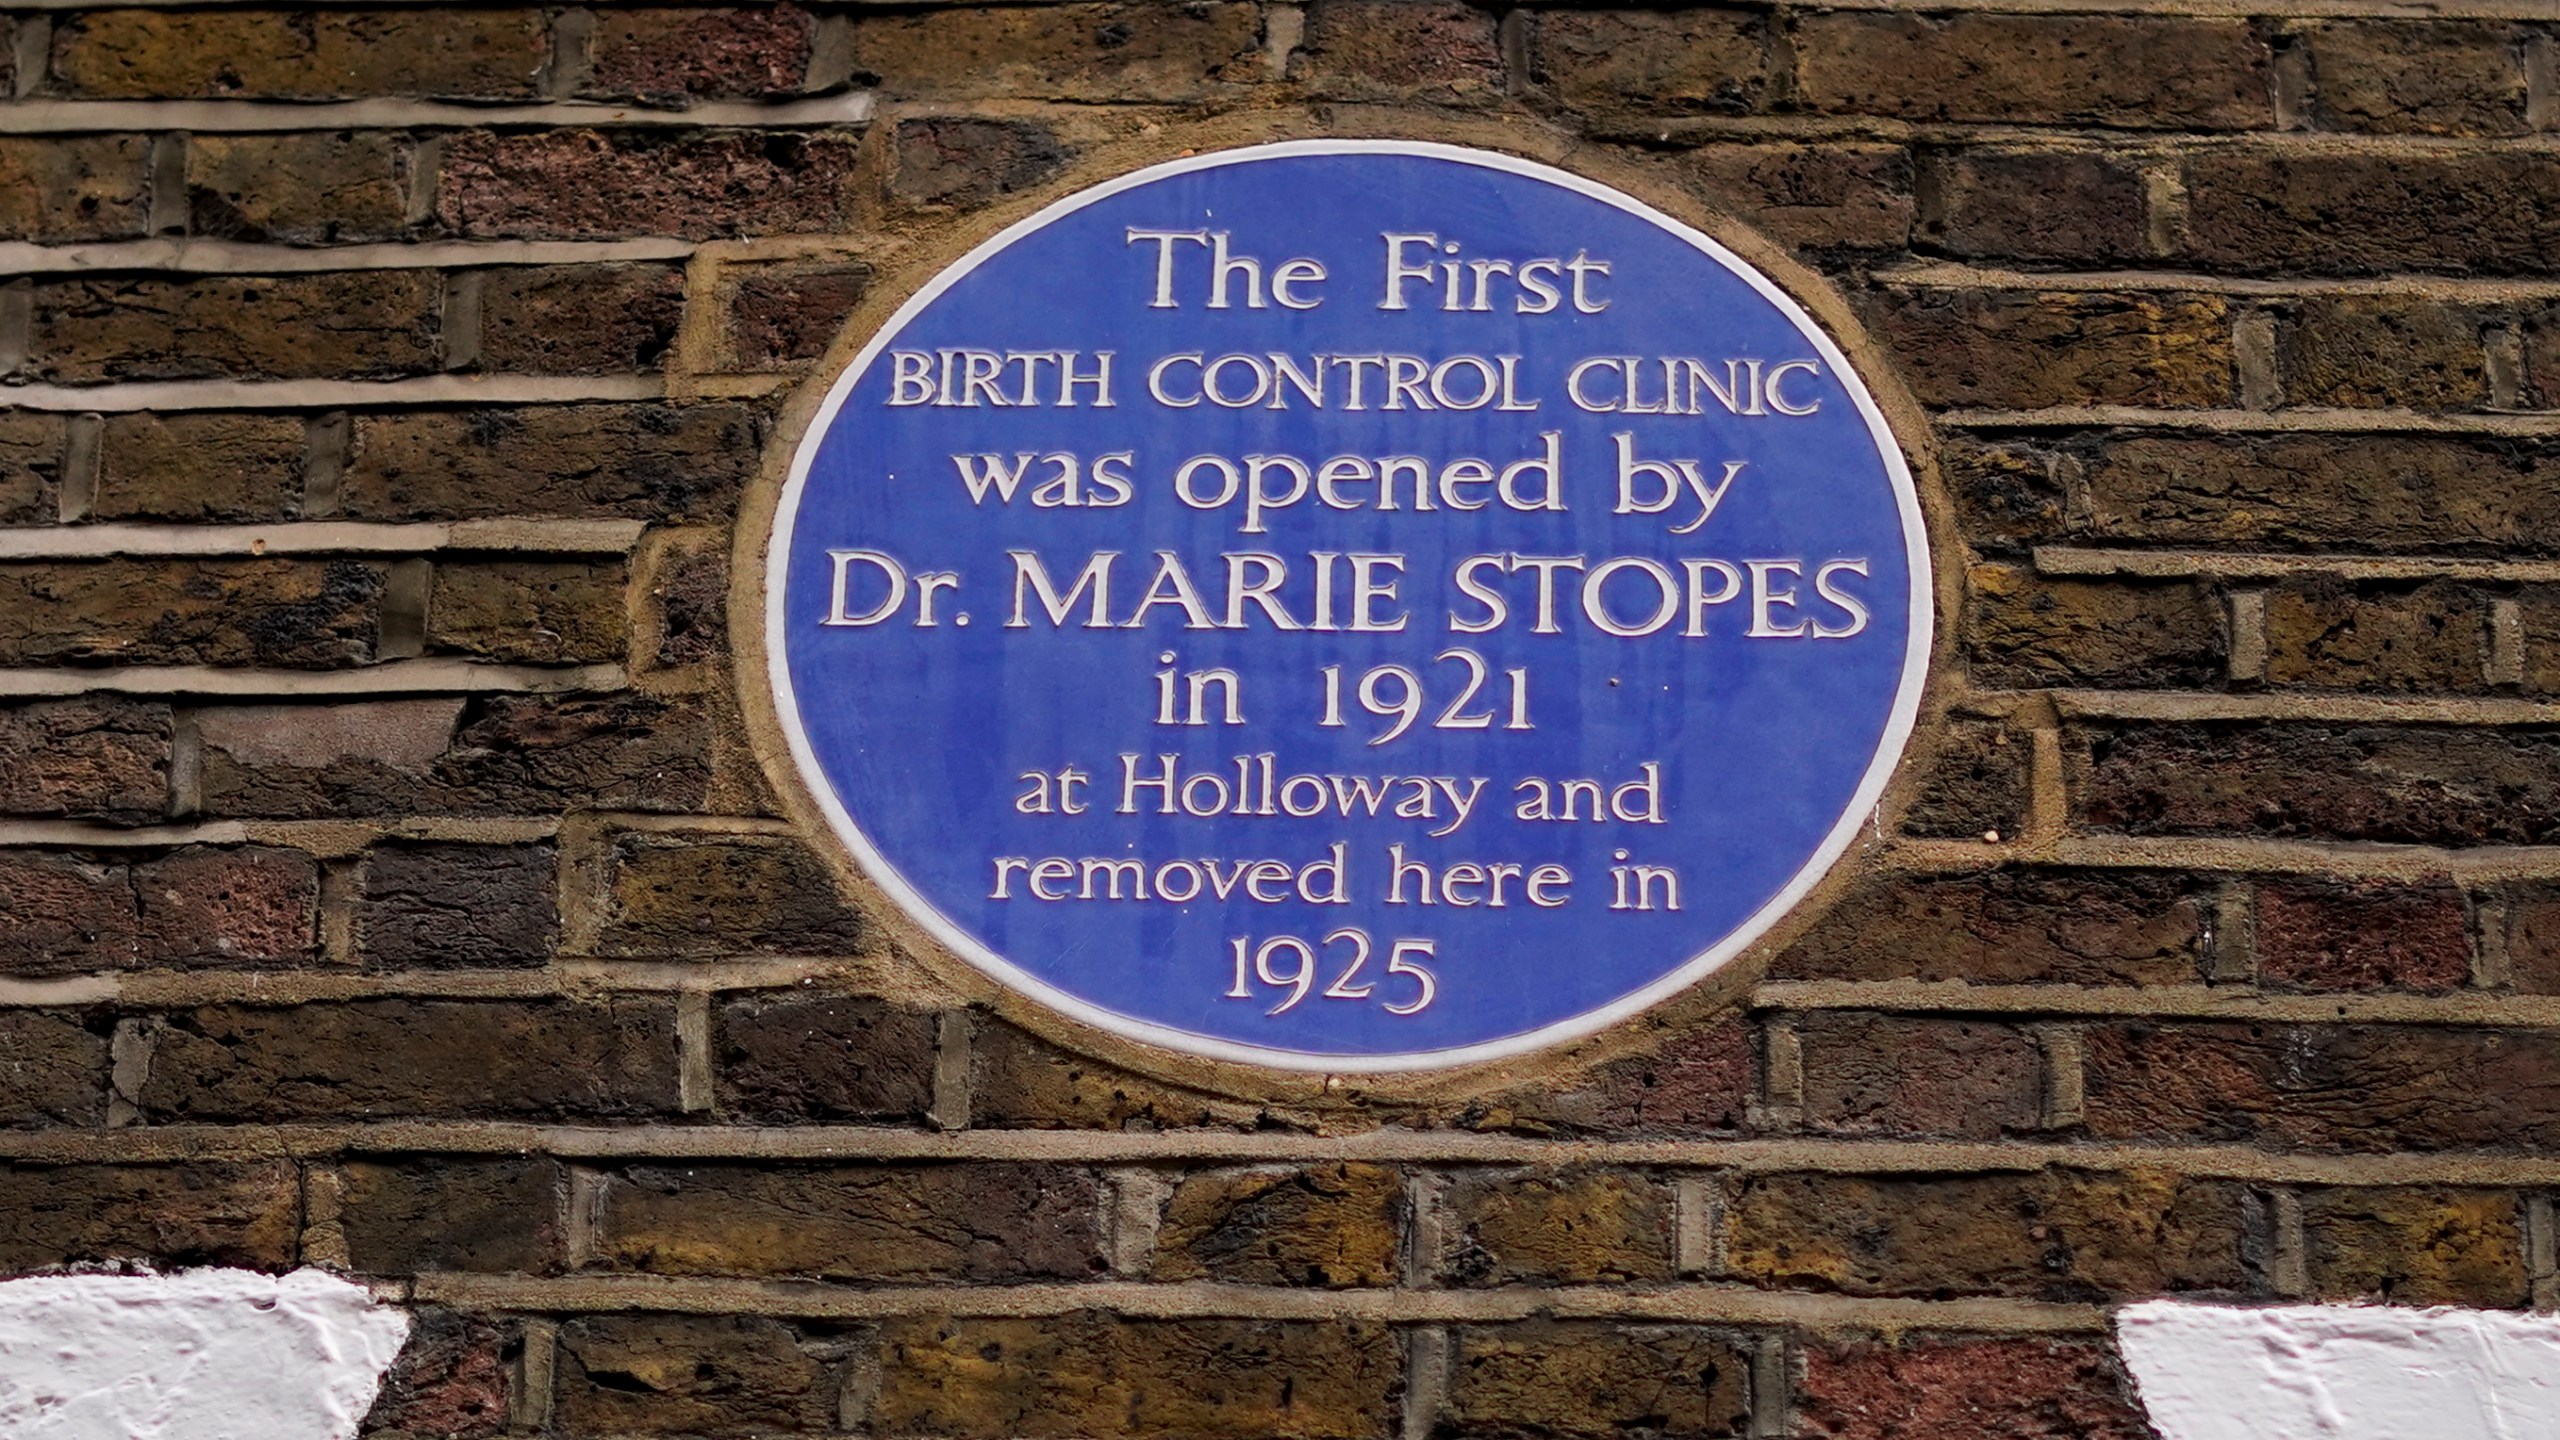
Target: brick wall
[{"x": 387, "y": 881}]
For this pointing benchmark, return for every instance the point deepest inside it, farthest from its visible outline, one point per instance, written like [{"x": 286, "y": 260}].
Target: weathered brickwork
[{"x": 387, "y": 881}]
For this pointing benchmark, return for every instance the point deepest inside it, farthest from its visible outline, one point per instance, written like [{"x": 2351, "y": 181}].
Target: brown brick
[
  {"x": 379, "y": 1058},
  {"x": 53, "y": 1070},
  {"x": 781, "y": 315},
  {"x": 31, "y": 453},
  {"x": 2410, "y": 785},
  {"x": 2542, "y": 357},
  {"x": 2352, "y": 350},
  {"x": 533, "y": 611},
  {"x": 598, "y": 185},
  {"x": 2014, "y": 1389},
  {"x": 2059, "y": 1235},
  {"x": 314, "y": 189},
  {"x": 298, "y": 55},
  {"x": 811, "y": 1057},
  {"x": 190, "y": 1214},
  {"x": 2022, "y": 630},
  {"x": 2415, "y": 1247},
  {"x": 1694, "y": 1080},
  {"x": 227, "y": 905},
  {"x": 401, "y": 1217},
  {"x": 722, "y": 895},
  {"x": 1902, "y": 1075},
  {"x": 1569, "y": 1227},
  {"x": 965, "y": 162},
  {"x": 1819, "y": 197},
  {"x": 696, "y": 1375},
  {"x": 2364, "y": 214},
  {"x": 92, "y": 758},
  {"x": 2131, "y": 72},
  {"x": 2323, "y": 936},
  {"x": 2009, "y": 927},
  {"x": 1020, "y": 1081},
  {"x": 2391, "y": 636},
  {"x": 2008, "y": 493},
  {"x": 1086, "y": 1374},
  {"x": 487, "y": 755},
  {"x": 61, "y": 914},
  {"x": 1328, "y": 1225},
  {"x": 1109, "y": 52},
  {"x": 457, "y": 907},
  {"x": 854, "y": 1222},
  {"x": 1977, "y": 783},
  {"x": 2531, "y": 936},
  {"x": 1686, "y": 61},
  {"x": 2019, "y": 349},
  {"x": 642, "y": 461},
  {"x": 208, "y": 466},
  {"x": 58, "y": 188},
  {"x": 580, "y": 319},
  {"x": 678, "y": 56},
  {"x": 362, "y": 325},
  {"x": 688, "y": 605},
  {"x": 2440, "y": 77},
  {"x": 303, "y": 613},
  {"x": 1572, "y": 1380},
  {"x": 2395, "y": 493},
  {"x": 2367, "y": 1088},
  {"x": 1441, "y": 50},
  {"x": 2060, "y": 205},
  {"x": 454, "y": 1380}
]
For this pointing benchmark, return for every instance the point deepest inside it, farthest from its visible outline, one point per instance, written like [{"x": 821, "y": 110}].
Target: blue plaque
[{"x": 1348, "y": 605}]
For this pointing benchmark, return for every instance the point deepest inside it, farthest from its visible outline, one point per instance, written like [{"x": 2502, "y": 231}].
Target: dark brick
[
  {"x": 2059, "y": 205},
  {"x": 488, "y": 755},
  {"x": 1586, "y": 1381},
  {"x": 1977, "y": 784},
  {"x": 703, "y": 896},
  {"x": 597, "y": 185},
  {"x": 53, "y": 1070},
  {"x": 1325, "y": 1225},
  {"x": 2542, "y": 357},
  {"x": 454, "y": 1380},
  {"x": 2009, "y": 927},
  {"x": 458, "y": 907},
  {"x": 2023, "y": 630},
  {"x": 802, "y": 1057},
  {"x": 1019, "y": 1081},
  {"x": 678, "y": 56},
  {"x": 190, "y": 1214},
  {"x": 689, "y": 604},
  {"x": 301, "y": 613},
  {"x": 379, "y": 1058},
  {"x": 2438, "y": 77},
  {"x": 1569, "y": 1227},
  {"x": 2057, "y": 1235},
  {"x": 2394, "y": 493},
  {"x": 1903, "y": 1075},
  {"x": 1087, "y": 1375},
  {"x": 977, "y": 1221},
  {"x": 62, "y": 914},
  {"x": 31, "y": 446},
  {"x": 963, "y": 161},
  {"x": 57, "y": 188},
  {"x": 580, "y": 319},
  {"x": 2415, "y": 1247},
  {"x": 2132, "y": 72},
  {"x": 1693, "y": 1080},
  {"x": 2364, "y": 1088},
  {"x": 2008, "y": 494},
  {"x": 402, "y": 1217},
  {"x": 2411, "y": 785},
  {"x": 697, "y": 1375},
  {"x": 2391, "y": 636},
  {"x": 1818, "y": 197},
  {"x": 88, "y": 759},
  {"x": 147, "y": 54},
  {"x": 1440, "y": 50},
  {"x": 371, "y": 324},
  {"x": 780, "y": 315},
  {"x": 2391, "y": 350},
  {"x": 545, "y": 612},
  {"x": 2019, "y": 349},
  {"x": 199, "y": 466},
  {"x": 313, "y": 189},
  {"x": 2012, "y": 1389},
  {"x": 1104, "y": 52},
  {"x": 2370, "y": 936},
  {"x": 2532, "y": 938},
  {"x": 227, "y": 905},
  {"x": 1685, "y": 61},
  {"x": 656, "y": 462},
  {"x": 2336, "y": 213}
]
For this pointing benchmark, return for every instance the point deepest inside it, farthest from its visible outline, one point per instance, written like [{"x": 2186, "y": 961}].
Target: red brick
[
  {"x": 1569, "y": 1227},
  {"x": 1898, "y": 1075},
  {"x": 300, "y": 613},
  {"x": 56, "y": 188},
  {"x": 812, "y": 1057},
  {"x": 2009, "y": 927},
  {"x": 2078, "y": 206},
  {"x": 1573, "y": 1379},
  {"x": 2362, "y": 937},
  {"x": 2389, "y": 350},
  {"x": 1683, "y": 61},
  {"x": 2364, "y": 1088},
  {"x": 780, "y": 315},
  {"x": 976, "y": 1221},
  {"x": 2022, "y": 630},
  {"x": 2415, "y": 1247},
  {"x": 580, "y": 319},
  {"x": 378, "y": 1058},
  {"x": 402, "y": 1217},
  {"x": 2022, "y": 1389},
  {"x": 31, "y": 455},
  {"x": 2018, "y": 349},
  {"x": 2430, "y": 637},
  {"x": 454, "y": 1380},
  {"x": 2363, "y": 214},
  {"x": 964, "y": 161},
  {"x": 185, "y": 1214},
  {"x": 456, "y": 907},
  {"x": 61, "y": 914},
  {"x": 2426, "y": 77},
  {"x": 1441, "y": 50},
  {"x": 53, "y": 1070},
  {"x": 208, "y": 466},
  {"x": 2131, "y": 72},
  {"x": 675, "y": 57},
  {"x": 86, "y": 759},
  {"x": 374, "y": 324},
  {"x": 612, "y": 185},
  {"x": 1089, "y": 52},
  {"x": 1692, "y": 1080},
  {"x": 313, "y": 189},
  {"x": 1325, "y": 1225},
  {"x": 695, "y": 1375},
  {"x": 227, "y": 905},
  {"x": 657, "y": 462}
]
